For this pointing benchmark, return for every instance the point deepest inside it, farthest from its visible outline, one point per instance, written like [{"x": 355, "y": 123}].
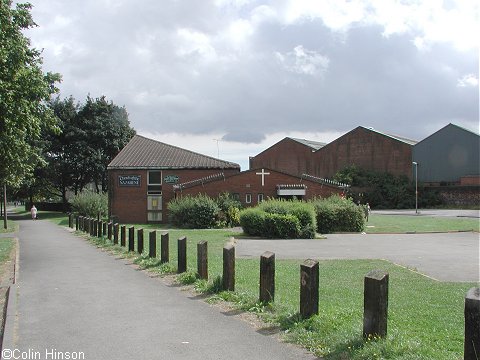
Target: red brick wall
[
  {"x": 249, "y": 182},
  {"x": 365, "y": 149},
  {"x": 287, "y": 156},
  {"x": 129, "y": 204}
]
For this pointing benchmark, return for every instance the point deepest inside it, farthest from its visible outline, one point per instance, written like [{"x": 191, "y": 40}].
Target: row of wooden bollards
[{"x": 375, "y": 282}]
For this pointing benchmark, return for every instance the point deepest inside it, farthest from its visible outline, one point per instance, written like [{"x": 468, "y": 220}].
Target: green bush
[
  {"x": 283, "y": 226},
  {"x": 252, "y": 221},
  {"x": 229, "y": 214},
  {"x": 91, "y": 204},
  {"x": 280, "y": 218},
  {"x": 336, "y": 214},
  {"x": 199, "y": 212}
]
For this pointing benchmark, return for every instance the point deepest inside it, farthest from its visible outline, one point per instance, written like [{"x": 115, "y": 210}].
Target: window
[
  {"x": 260, "y": 198},
  {"x": 154, "y": 182},
  {"x": 248, "y": 198}
]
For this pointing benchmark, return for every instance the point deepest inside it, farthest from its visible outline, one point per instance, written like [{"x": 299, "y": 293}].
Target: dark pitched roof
[
  {"x": 315, "y": 145},
  {"x": 145, "y": 153}
]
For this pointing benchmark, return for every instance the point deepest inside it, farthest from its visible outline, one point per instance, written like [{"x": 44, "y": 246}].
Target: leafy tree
[
  {"x": 384, "y": 190},
  {"x": 92, "y": 135},
  {"x": 24, "y": 91}
]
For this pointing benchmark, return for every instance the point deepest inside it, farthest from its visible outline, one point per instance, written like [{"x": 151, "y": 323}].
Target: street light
[{"x": 416, "y": 186}]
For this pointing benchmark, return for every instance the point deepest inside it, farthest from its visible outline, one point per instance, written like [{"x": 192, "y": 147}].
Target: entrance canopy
[{"x": 291, "y": 190}]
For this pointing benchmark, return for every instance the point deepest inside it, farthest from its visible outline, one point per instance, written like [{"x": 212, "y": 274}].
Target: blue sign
[{"x": 129, "y": 180}]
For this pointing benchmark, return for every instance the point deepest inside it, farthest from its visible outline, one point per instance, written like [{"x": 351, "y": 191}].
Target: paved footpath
[{"x": 73, "y": 299}]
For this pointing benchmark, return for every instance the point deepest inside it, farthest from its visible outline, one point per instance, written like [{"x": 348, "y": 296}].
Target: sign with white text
[{"x": 129, "y": 180}]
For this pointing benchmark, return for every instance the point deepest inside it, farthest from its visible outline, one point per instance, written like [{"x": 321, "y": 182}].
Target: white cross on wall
[{"x": 263, "y": 173}]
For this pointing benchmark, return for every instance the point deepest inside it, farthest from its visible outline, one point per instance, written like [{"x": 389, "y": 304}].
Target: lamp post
[{"x": 416, "y": 186}]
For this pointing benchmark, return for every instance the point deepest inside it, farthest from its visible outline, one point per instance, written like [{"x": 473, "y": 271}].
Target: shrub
[
  {"x": 198, "y": 212},
  {"x": 252, "y": 221},
  {"x": 91, "y": 204},
  {"x": 283, "y": 226},
  {"x": 336, "y": 214},
  {"x": 280, "y": 218},
  {"x": 229, "y": 213}
]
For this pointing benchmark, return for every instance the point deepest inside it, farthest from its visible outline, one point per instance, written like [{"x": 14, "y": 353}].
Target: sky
[{"x": 229, "y": 78}]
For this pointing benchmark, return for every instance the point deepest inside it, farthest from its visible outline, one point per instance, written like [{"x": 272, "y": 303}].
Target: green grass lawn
[
  {"x": 425, "y": 316},
  {"x": 407, "y": 223},
  {"x": 6, "y": 245},
  {"x": 12, "y": 226}
]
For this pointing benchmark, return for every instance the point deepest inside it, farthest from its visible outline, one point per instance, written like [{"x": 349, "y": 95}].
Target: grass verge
[{"x": 406, "y": 223}]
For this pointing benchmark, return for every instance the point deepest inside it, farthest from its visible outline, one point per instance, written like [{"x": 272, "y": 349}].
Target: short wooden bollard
[
  {"x": 140, "y": 241},
  {"x": 202, "y": 259},
  {"x": 115, "y": 233},
  {"x": 182, "y": 255},
  {"x": 309, "y": 282},
  {"x": 472, "y": 325},
  {"x": 77, "y": 224},
  {"x": 375, "y": 304},
  {"x": 110, "y": 231},
  {"x": 229, "y": 267},
  {"x": 267, "y": 277},
  {"x": 123, "y": 235},
  {"x": 70, "y": 221},
  {"x": 152, "y": 244},
  {"x": 100, "y": 229},
  {"x": 104, "y": 228},
  {"x": 80, "y": 223},
  {"x": 131, "y": 238},
  {"x": 94, "y": 227},
  {"x": 164, "y": 248}
]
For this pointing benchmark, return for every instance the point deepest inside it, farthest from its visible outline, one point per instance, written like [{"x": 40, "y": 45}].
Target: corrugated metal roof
[
  {"x": 396, "y": 137},
  {"x": 146, "y": 153},
  {"x": 313, "y": 144}
]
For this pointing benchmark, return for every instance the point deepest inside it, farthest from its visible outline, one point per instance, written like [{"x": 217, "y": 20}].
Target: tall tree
[
  {"x": 24, "y": 91},
  {"x": 91, "y": 135}
]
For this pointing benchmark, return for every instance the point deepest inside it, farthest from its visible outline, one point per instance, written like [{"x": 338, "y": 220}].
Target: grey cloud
[{"x": 129, "y": 52}]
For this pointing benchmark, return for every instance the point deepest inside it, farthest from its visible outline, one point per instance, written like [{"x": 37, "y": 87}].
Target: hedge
[
  {"x": 336, "y": 214},
  {"x": 198, "y": 212},
  {"x": 280, "y": 219}
]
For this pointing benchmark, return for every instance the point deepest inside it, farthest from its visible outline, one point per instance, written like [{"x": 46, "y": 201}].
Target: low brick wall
[{"x": 459, "y": 195}]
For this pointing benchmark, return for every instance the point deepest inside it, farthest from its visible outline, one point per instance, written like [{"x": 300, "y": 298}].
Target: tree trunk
[{"x": 5, "y": 225}]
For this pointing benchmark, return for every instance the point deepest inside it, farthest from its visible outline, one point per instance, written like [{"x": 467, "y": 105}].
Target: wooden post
[
  {"x": 375, "y": 304},
  {"x": 152, "y": 244},
  {"x": 202, "y": 259},
  {"x": 123, "y": 235},
  {"x": 472, "y": 325},
  {"x": 80, "y": 223},
  {"x": 115, "y": 233},
  {"x": 164, "y": 248},
  {"x": 309, "y": 282},
  {"x": 131, "y": 238},
  {"x": 77, "y": 222},
  {"x": 267, "y": 277},
  {"x": 140, "y": 241},
  {"x": 94, "y": 227},
  {"x": 70, "y": 220},
  {"x": 182, "y": 255},
  {"x": 104, "y": 228},
  {"x": 110, "y": 231},
  {"x": 100, "y": 229},
  {"x": 229, "y": 267}
]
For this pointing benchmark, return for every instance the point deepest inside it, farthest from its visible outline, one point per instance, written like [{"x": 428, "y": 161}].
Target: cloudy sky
[{"x": 243, "y": 74}]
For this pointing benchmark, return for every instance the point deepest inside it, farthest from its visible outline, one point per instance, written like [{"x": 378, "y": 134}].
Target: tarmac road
[
  {"x": 444, "y": 257},
  {"x": 71, "y": 298}
]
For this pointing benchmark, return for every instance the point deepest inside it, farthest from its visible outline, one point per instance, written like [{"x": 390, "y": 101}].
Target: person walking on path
[{"x": 33, "y": 211}]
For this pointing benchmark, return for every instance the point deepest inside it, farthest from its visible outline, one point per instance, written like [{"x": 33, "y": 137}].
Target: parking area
[{"x": 442, "y": 256}]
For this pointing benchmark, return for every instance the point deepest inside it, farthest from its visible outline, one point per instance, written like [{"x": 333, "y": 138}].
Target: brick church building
[{"x": 147, "y": 174}]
